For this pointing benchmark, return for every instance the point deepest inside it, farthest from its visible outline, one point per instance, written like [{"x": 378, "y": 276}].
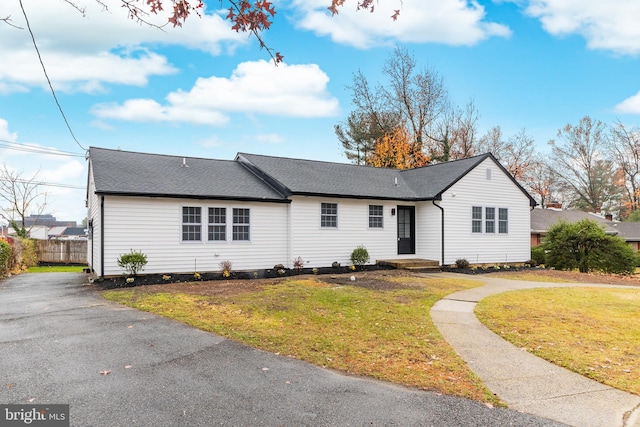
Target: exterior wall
[
  {"x": 475, "y": 189},
  {"x": 428, "y": 236},
  {"x": 154, "y": 226},
  {"x": 320, "y": 247},
  {"x": 94, "y": 236}
]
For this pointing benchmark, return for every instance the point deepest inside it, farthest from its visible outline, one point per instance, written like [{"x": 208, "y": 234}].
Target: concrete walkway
[{"x": 526, "y": 382}]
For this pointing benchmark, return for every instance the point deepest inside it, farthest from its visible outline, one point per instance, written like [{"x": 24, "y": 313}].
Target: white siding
[
  {"x": 93, "y": 215},
  {"x": 474, "y": 189},
  {"x": 428, "y": 236},
  {"x": 154, "y": 226},
  {"x": 319, "y": 247}
]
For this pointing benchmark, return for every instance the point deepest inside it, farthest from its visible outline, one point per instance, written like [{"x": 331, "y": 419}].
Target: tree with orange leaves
[{"x": 394, "y": 150}]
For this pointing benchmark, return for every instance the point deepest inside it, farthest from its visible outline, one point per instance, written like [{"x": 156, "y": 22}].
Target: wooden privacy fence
[{"x": 62, "y": 251}]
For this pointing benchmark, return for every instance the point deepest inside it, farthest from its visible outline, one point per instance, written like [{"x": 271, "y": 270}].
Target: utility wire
[
  {"x": 45, "y": 184},
  {"x": 10, "y": 145},
  {"x": 35, "y": 45}
]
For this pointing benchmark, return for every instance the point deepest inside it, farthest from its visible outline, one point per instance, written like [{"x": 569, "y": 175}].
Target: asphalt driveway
[{"x": 60, "y": 342}]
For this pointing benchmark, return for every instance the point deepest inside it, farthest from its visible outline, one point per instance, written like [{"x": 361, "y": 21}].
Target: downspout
[
  {"x": 441, "y": 230},
  {"x": 101, "y": 236}
]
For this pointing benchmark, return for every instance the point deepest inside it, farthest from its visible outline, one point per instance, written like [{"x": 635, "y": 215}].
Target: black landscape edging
[{"x": 157, "y": 279}]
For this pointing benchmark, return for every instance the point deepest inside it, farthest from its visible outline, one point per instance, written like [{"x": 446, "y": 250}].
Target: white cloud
[
  {"x": 254, "y": 87},
  {"x": 104, "y": 46},
  {"x": 453, "y": 22},
  {"x": 610, "y": 25},
  {"x": 4, "y": 132},
  {"x": 630, "y": 105}
]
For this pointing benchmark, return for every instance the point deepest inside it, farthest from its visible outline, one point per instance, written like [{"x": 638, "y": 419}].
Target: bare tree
[
  {"x": 623, "y": 147},
  {"x": 542, "y": 182},
  {"x": 577, "y": 158},
  {"x": 18, "y": 197},
  {"x": 418, "y": 100},
  {"x": 516, "y": 154}
]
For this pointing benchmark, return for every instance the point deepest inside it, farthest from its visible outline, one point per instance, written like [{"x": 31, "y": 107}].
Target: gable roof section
[
  {"x": 118, "y": 172},
  {"x": 310, "y": 177}
]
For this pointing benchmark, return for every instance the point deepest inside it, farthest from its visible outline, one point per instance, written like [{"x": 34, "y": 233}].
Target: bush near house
[
  {"x": 360, "y": 256},
  {"x": 585, "y": 246},
  {"x": 6, "y": 256},
  {"x": 133, "y": 262}
]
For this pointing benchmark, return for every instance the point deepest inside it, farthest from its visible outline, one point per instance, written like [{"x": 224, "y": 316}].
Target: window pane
[
  {"x": 375, "y": 216},
  {"x": 503, "y": 220},
  {"x": 490, "y": 220},
  {"x": 329, "y": 215},
  {"x": 240, "y": 224},
  {"x": 191, "y": 228},
  {"x": 476, "y": 219}
]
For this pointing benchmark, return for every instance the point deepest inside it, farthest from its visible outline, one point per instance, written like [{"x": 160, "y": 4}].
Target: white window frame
[
  {"x": 377, "y": 218},
  {"x": 476, "y": 221},
  {"x": 482, "y": 223},
  {"x": 211, "y": 225},
  {"x": 184, "y": 224},
  {"x": 503, "y": 222},
  {"x": 236, "y": 227},
  {"x": 328, "y": 216}
]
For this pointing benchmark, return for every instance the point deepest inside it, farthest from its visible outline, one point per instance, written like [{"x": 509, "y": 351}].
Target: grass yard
[
  {"x": 592, "y": 331},
  {"x": 379, "y": 328},
  {"x": 57, "y": 269}
]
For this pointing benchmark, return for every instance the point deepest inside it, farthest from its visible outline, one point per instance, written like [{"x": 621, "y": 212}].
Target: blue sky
[{"x": 203, "y": 90}]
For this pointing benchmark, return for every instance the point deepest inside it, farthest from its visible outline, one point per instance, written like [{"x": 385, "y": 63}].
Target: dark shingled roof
[
  {"x": 129, "y": 173},
  {"x": 306, "y": 177},
  {"x": 629, "y": 231},
  {"x": 543, "y": 219},
  {"x": 257, "y": 177}
]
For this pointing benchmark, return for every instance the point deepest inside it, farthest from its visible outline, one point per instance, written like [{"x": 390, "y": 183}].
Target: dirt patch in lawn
[{"x": 375, "y": 280}]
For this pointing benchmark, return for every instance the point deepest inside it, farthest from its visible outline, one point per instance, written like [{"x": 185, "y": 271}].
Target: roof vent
[
  {"x": 395, "y": 181},
  {"x": 184, "y": 162}
]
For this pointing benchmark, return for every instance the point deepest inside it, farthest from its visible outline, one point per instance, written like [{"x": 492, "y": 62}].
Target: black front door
[{"x": 406, "y": 229}]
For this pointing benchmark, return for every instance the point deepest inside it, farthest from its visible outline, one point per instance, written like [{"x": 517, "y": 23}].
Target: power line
[
  {"x": 10, "y": 145},
  {"x": 45, "y": 184},
  {"x": 47, "y": 77}
]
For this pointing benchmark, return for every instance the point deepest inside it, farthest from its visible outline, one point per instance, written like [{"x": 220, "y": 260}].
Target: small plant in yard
[
  {"x": 133, "y": 262},
  {"x": 360, "y": 256},
  {"x": 130, "y": 280},
  {"x": 462, "y": 263},
  {"x": 166, "y": 277},
  {"x": 298, "y": 263},
  {"x": 281, "y": 271},
  {"x": 352, "y": 267},
  {"x": 225, "y": 266},
  {"x": 196, "y": 276},
  {"x": 314, "y": 271}
]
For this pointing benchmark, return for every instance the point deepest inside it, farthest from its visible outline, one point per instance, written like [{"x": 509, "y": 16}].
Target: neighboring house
[
  {"x": 67, "y": 233},
  {"x": 630, "y": 232},
  {"x": 543, "y": 219},
  {"x": 189, "y": 214}
]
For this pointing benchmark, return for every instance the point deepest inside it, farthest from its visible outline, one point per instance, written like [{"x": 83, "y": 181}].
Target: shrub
[
  {"x": 298, "y": 263},
  {"x": 360, "y": 256},
  {"x": 585, "y": 246},
  {"x": 225, "y": 266},
  {"x": 462, "y": 263},
  {"x": 25, "y": 253},
  {"x": 133, "y": 262},
  {"x": 538, "y": 256},
  {"x": 6, "y": 255}
]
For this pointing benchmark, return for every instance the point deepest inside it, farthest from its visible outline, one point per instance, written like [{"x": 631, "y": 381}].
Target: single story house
[
  {"x": 543, "y": 219},
  {"x": 188, "y": 214}
]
